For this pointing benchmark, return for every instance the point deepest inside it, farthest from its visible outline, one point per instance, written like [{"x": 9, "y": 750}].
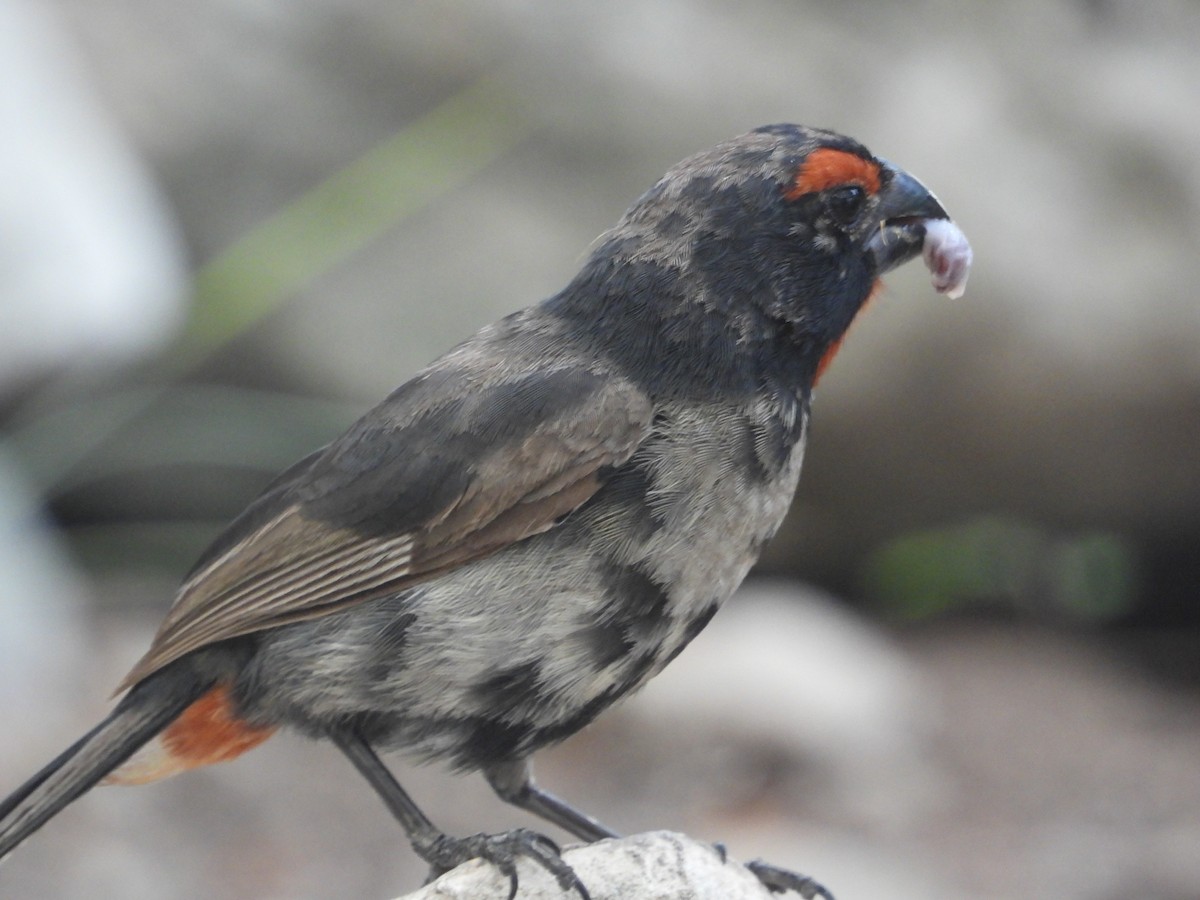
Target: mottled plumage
[{"x": 540, "y": 520}]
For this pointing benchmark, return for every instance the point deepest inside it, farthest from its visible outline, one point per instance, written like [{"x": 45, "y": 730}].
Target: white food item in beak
[{"x": 947, "y": 255}]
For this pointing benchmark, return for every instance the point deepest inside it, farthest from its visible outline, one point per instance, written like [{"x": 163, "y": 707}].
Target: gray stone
[{"x": 661, "y": 865}]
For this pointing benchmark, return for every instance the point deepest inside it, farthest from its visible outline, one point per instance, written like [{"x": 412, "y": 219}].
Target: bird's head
[{"x": 778, "y": 235}]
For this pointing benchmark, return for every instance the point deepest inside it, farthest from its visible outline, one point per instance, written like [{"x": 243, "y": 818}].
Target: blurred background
[{"x": 969, "y": 665}]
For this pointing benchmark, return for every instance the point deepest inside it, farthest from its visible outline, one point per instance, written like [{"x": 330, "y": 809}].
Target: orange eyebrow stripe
[{"x": 826, "y": 167}]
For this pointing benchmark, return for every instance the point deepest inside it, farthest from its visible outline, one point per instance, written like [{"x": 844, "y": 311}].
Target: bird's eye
[{"x": 845, "y": 203}]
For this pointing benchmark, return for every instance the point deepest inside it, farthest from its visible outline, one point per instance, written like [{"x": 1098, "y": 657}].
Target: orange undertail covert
[{"x": 208, "y": 731}]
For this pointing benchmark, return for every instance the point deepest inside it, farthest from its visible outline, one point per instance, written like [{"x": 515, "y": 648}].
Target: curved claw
[
  {"x": 502, "y": 851},
  {"x": 539, "y": 838},
  {"x": 508, "y": 867},
  {"x": 779, "y": 880}
]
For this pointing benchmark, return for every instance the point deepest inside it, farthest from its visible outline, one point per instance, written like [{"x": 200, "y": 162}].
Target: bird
[{"x": 537, "y": 522}]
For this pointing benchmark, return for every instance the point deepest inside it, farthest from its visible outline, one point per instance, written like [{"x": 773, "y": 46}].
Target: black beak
[{"x": 897, "y": 229}]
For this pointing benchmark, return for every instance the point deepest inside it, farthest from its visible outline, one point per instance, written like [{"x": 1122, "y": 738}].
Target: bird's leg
[
  {"x": 442, "y": 851},
  {"x": 513, "y": 783}
]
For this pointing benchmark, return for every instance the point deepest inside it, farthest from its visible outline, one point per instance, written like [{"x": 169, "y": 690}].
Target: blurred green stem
[
  {"x": 429, "y": 158},
  {"x": 396, "y": 179}
]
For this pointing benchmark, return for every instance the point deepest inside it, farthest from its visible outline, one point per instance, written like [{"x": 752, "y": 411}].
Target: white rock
[{"x": 661, "y": 865}]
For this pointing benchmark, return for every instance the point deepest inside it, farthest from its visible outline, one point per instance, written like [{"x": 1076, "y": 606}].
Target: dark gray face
[{"x": 772, "y": 240}]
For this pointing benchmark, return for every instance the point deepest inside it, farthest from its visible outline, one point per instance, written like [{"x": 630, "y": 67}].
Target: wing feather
[{"x": 417, "y": 487}]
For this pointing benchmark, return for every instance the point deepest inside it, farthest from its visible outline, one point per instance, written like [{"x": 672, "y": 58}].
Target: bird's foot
[
  {"x": 502, "y": 850},
  {"x": 779, "y": 881}
]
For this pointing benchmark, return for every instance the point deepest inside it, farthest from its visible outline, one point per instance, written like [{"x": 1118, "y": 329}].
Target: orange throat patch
[
  {"x": 832, "y": 350},
  {"x": 208, "y": 731}
]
